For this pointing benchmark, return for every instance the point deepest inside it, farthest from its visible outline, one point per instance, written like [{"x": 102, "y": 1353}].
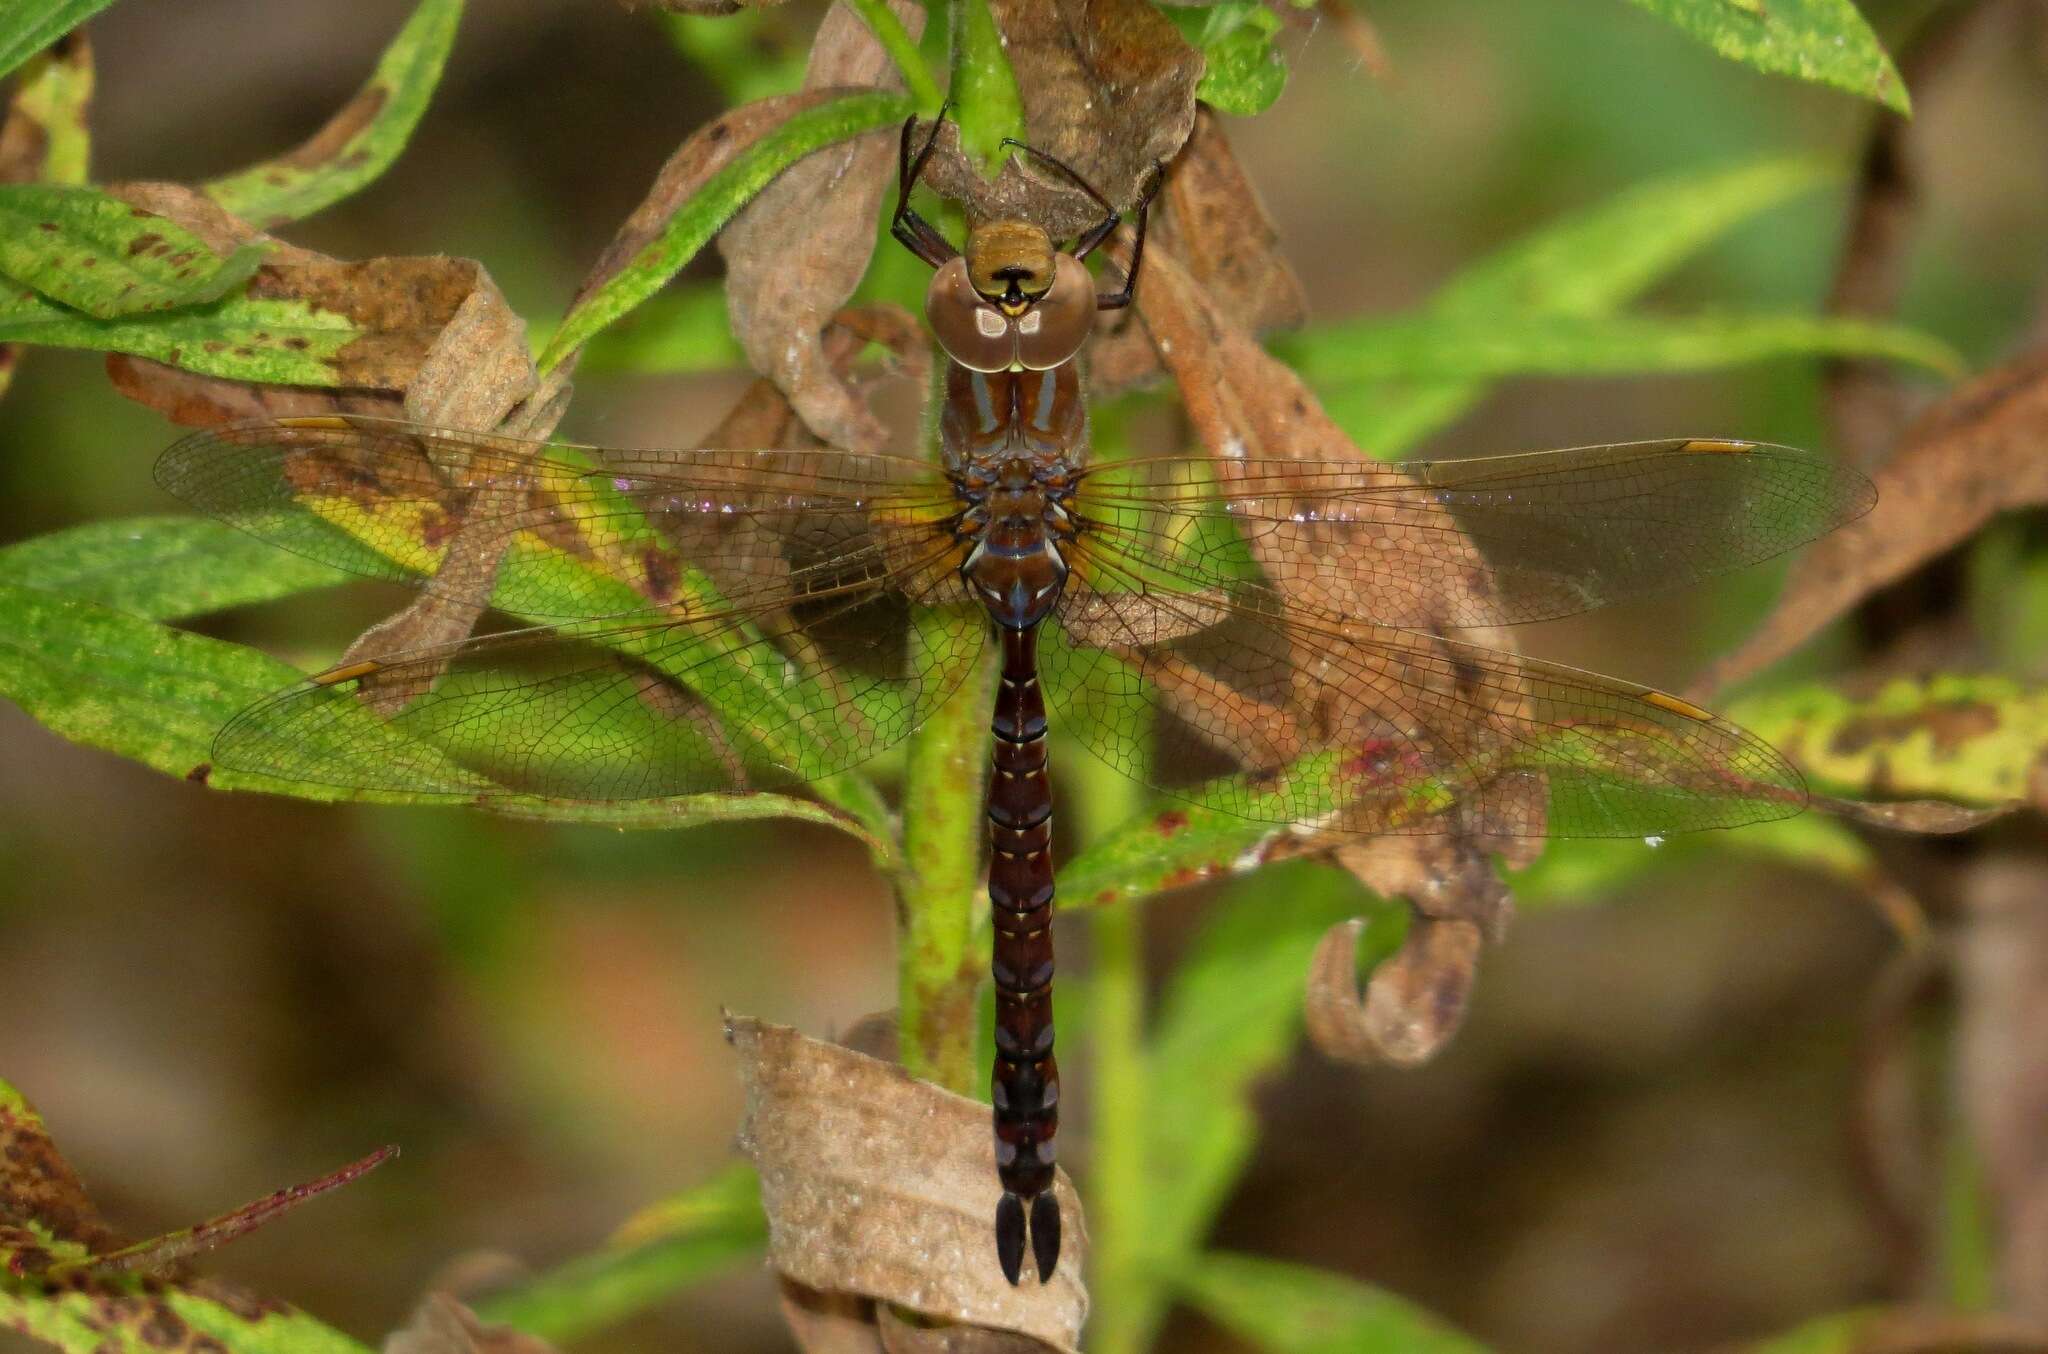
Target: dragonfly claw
[
  {"x": 1010, "y": 1236},
  {"x": 1045, "y": 1235}
]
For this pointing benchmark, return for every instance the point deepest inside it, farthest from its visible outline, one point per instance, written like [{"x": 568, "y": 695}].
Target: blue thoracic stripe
[{"x": 984, "y": 402}]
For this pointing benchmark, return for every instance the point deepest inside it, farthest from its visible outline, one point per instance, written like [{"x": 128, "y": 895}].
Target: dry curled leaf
[
  {"x": 1412, "y": 1003},
  {"x": 1932, "y": 817},
  {"x": 442, "y": 1325},
  {"x": 1975, "y": 454},
  {"x": 1108, "y": 87},
  {"x": 882, "y": 1187},
  {"x": 796, "y": 252}
]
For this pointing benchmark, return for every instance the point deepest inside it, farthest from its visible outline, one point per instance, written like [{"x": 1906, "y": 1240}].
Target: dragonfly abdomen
[{"x": 1026, "y": 1080}]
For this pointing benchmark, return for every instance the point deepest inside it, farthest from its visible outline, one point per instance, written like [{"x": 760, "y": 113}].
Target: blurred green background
[{"x": 1640, "y": 1139}]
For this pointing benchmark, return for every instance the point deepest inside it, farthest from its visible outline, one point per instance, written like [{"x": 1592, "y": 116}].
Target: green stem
[
  {"x": 1117, "y": 1213},
  {"x": 985, "y": 97},
  {"x": 897, "y": 42},
  {"x": 939, "y": 960}
]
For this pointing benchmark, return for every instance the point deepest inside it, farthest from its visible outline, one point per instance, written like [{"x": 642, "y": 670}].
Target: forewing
[
  {"x": 622, "y": 711},
  {"x": 1431, "y": 545},
  {"x": 1354, "y": 729},
  {"x": 550, "y": 530}
]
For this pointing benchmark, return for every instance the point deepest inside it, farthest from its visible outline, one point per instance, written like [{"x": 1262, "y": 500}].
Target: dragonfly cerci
[{"x": 1276, "y": 639}]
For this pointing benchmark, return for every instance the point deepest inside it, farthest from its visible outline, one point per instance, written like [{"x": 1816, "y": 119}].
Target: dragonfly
[{"x": 1285, "y": 641}]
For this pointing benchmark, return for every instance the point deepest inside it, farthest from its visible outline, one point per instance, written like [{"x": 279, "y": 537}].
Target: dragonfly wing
[
  {"x": 1355, "y": 729},
  {"x": 621, "y": 711},
  {"x": 547, "y": 530},
  {"x": 1432, "y": 545}
]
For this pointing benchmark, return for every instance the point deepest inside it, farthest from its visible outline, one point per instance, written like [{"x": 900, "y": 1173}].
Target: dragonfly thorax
[{"x": 1015, "y": 568}]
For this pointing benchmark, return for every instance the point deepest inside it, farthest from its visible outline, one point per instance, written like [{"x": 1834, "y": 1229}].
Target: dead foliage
[{"x": 878, "y": 1189}]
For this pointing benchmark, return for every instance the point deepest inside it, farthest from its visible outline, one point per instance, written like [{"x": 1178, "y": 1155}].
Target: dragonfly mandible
[{"x": 1286, "y": 633}]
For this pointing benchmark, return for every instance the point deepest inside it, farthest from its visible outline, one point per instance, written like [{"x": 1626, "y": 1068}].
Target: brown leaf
[
  {"x": 1210, "y": 218},
  {"x": 797, "y": 251},
  {"x": 1975, "y": 454},
  {"x": 879, "y": 1186},
  {"x": 1412, "y": 1004},
  {"x": 39, "y": 1191},
  {"x": 1930, "y": 816},
  {"x": 828, "y": 1323},
  {"x": 441, "y": 1325},
  {"x": 1108, "y": 87}
]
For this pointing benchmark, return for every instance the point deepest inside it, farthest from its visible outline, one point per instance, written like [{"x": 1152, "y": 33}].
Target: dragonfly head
[{"x": 1011, "y": 302}]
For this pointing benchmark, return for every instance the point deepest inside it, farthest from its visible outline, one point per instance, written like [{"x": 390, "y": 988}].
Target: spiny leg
[
  {"x": 915, "y": 233},
  {"x": 1101, "y": 230}
]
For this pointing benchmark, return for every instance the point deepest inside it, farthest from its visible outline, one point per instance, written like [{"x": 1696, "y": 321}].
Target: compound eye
[
  {"x": 1055, "y": 327},
  {"x": 974, "y": 333}
]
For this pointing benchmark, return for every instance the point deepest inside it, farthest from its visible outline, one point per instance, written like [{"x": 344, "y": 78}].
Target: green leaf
[
  {"x": 723, "y": 194},
  {"x": 1231, "y": 1014},
  {"x": 162, "y": 568},
  {"x": 665, "y": 1249},
  {"x": 1586, "y": 264},
  {"x": 105, "y": 679},
  {"x": 1840, "y": 1333},
  {"x": 359, "y": 143},
  {"x": 92, "y": 1320},
  {"x": 97, "y": 254},
  {"x": 1293, "y": 1309},
  {"x": 1242, "y": 73},
  {"x": 28, "y": 26},
  {"x": 1825, "y": 41},
  {"x": 1975, "y": 740},
  {"x": 243, "y": 338},
  {"x": 1454, "y": 346}
]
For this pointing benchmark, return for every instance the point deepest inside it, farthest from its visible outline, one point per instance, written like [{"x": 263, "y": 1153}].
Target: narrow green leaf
[
  {"x": 1160, "y": 849},
  {"x": 902, "y": 50},
  {"x": 1455, "y": 346},
  {"x": 106, "y": 679},
  {"x": 91, "y": 1321},
  {"x": 669, "y": 1247},
  {"x": 983, "y": 88},
  {"x": 1840, "y": 1333},
  {"x": 97, "y": 254},
  {"x": 28, "y": 26},
  {"x": 1586, "y": 264},
  {"x": 723, "y": 194},
  {"x": 162, "y": 568},
  {"x": 243, "y": 338},
  {"x": 1231, "y": 1014},
  {"x": 1825, "y": 41},
  {"x": 1292, "y": 1309},
  {"x": 359, "y": 143},
  {"x": 1242, "y": 72}
]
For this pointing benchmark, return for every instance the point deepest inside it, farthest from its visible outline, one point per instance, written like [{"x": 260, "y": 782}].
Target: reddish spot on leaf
[{"x": 1170, "y": 822}]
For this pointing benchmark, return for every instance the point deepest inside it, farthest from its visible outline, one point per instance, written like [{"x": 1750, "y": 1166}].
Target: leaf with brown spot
[
  {"x": 883, "y": 1187},
  {"x": 1108, "y": 87},
  {"x": 361, "y": 140},
  {"x": 66, "y": 1279},
  {"x": 796, "y": 252},
  {"x": 1974, "y": 455},
  {"x": 92, "y": 252}
]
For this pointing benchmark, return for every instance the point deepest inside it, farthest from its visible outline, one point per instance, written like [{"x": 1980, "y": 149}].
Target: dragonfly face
[{"x": 698, "y": 621}]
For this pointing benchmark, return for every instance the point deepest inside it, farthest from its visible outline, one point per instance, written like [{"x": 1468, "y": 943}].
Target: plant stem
[
  {"x": 1116, "y": 1024},
  {"x": 939, "y": 962},
  {"x": 984, "y": 88},
  {"x": 896, "y": 41}
]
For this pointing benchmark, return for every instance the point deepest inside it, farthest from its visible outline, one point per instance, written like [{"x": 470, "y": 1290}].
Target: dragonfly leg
[
  {"x": 912, "y": 231},
  {"x": 1117, "y": 300}
]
